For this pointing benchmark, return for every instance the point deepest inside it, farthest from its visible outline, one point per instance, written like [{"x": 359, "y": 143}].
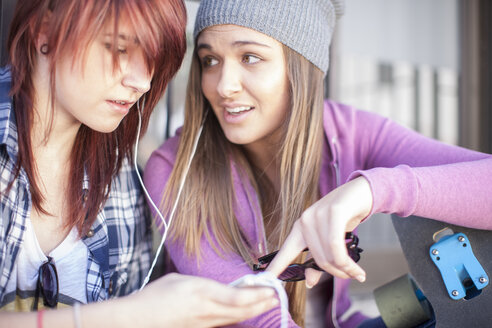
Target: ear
[{"x": 41, "y": 33}]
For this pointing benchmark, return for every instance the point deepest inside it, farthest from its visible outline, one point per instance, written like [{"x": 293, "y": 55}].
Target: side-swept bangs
[
  {"x": 159, "y": 27},
  {"x": 71, "y": 25}
]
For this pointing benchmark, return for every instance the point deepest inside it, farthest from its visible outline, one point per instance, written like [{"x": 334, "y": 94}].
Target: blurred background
[{"x": 424, "y": 63}]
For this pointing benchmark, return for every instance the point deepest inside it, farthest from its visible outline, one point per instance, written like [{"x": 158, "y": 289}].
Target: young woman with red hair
[{"x": 73, "y": 226}]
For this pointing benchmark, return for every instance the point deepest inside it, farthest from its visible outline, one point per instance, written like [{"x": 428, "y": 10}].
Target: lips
[
  {"x": 120, "y": 106},
  {"x": 239, "y": 110},
  {"x": 236, "y": 113},
  {"x": 121, "y": 102}
]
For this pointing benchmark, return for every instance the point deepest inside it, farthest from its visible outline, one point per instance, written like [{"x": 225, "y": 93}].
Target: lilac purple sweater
[{"x": 409, "y": 174}]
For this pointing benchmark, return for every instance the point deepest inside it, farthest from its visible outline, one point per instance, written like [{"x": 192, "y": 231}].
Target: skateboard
[{"x": 448, "y": 281}]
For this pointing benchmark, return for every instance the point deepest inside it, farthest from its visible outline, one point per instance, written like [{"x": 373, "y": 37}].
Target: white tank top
[{"x": 70, "y": 258}]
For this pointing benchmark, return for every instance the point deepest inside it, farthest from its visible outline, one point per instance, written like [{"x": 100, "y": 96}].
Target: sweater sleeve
[
  {"x": 411, "y": 174},
  {"x": 224, "y": 268}
]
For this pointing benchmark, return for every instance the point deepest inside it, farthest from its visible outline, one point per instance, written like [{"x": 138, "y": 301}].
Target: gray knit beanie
[{"x": 305, "y": 26}]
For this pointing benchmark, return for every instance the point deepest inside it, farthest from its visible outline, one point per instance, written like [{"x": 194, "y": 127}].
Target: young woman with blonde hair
[
  {"x": 73, "y": 226},
  {"x": 276, "y": 163}
]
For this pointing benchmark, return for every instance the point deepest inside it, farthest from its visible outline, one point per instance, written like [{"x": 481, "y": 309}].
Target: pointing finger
[{"x": 292, "y": 247}]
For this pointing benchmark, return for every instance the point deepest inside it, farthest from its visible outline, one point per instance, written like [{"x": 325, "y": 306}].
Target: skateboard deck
[{"x": 416, "y": 238}]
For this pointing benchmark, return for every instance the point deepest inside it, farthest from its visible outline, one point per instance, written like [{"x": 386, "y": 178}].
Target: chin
[
  {"x": 239, "y": 140},
  {"x": 241, "y": 136},
  {"x": 106, "y": 128}
]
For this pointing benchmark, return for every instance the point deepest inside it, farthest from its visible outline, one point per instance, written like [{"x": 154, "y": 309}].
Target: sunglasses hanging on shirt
[{"x": 47, "y": 285}]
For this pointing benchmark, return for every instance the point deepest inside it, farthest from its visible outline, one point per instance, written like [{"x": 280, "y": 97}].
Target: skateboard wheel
[{"x": 401, "y": 304}]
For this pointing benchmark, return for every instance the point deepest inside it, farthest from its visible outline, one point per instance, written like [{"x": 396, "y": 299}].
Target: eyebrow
[
  {"x": 235, "y": 44},
  {"x": 203, "y": 46},
  {"x": 245, "y": 43}
]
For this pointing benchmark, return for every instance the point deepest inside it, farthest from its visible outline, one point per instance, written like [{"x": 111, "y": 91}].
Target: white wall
[{"x": 423, "y": 32}]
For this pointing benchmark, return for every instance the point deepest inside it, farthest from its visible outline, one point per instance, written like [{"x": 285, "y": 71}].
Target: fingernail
[
  {"x": 361, "y": 278},
  {"x": 308, "y": 285},
  {"x": 275, "y": 302}
]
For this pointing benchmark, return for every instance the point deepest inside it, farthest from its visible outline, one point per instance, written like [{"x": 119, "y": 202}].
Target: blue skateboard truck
[
  {"x": 463, "y": 276},
  {"x": 446, "y": 285}
]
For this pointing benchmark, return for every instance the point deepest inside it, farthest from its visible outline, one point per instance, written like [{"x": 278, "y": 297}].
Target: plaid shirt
[{"x": 119, "y": 241}]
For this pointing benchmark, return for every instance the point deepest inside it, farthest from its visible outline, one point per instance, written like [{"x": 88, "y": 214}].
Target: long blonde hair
[{"x": 207, "y": 202}]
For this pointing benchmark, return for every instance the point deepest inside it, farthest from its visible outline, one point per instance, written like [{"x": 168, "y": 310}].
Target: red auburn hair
[{"x": 159, "y": 26}]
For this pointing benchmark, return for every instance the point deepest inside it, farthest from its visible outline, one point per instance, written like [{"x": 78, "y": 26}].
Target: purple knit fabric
[{"x": 409, "y": 174}]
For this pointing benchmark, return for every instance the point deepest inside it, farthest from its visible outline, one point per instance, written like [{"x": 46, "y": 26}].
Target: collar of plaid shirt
[{"x": 119, "y": 241}]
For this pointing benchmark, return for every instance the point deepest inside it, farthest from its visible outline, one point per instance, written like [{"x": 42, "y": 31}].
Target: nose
[
  {"x": 229, "y": 80},
  {"x": 137, "y": 75}
]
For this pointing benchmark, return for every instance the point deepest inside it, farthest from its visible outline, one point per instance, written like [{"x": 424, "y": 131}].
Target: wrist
[{"x": 76, "y": 316}]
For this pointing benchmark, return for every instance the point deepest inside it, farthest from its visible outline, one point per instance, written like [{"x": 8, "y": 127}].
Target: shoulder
[
  {"x": 5, "y": 81},
  {"x": 164, "y": 157},
  {"x": 5, "y": 84},
  {"x": 160, "y": 164},
  {"x": 341, "y": 114},
  {"x": 340, "y": 118}
]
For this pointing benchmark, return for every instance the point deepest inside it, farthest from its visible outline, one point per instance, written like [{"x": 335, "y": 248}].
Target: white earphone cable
[{"x": 180, "y": 189}]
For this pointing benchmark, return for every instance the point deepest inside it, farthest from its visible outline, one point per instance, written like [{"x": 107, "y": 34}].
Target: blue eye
[{"x": 250, "y": 59}]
